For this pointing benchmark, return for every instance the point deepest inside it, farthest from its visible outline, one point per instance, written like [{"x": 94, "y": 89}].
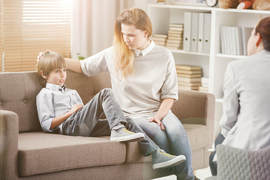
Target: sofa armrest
[
  {"x": 195, "y": 108},
  {"x": 9, "y": 130}
]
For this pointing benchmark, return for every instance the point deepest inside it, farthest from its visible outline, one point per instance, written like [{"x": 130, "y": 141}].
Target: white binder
[
  {"x": 201, "y": 31},
  {"x": 246, "y": 32},
  {"x": 187, "y": 30},
  {"x": 194, "y": 31},
  {"x": 207, "y": 31}
]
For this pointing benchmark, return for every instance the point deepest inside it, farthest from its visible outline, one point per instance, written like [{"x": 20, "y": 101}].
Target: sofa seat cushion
[
  {"x": 45, "y": 153},
  {"x": 197, "y": 135}
]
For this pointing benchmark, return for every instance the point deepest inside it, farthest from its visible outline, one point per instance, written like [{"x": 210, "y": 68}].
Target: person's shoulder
[
  {"x": 161, "y": 49},
  {"x": 107, "y": 51},
  {"x": 246, "y": 61},
  {"x": 43, "y": 91},
  {"x": 162, "y": 52}
]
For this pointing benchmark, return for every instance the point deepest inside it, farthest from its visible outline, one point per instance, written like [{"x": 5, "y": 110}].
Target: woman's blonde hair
[
  {"x": 124, "y": 57},
  {"x": 49, "y": 60}
]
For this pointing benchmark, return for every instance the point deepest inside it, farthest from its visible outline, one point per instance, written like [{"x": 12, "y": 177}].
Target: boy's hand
[{"x": 76, "y": 108}]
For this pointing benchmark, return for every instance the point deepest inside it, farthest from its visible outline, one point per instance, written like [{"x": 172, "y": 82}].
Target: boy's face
[{"x": 57, "y": 76}]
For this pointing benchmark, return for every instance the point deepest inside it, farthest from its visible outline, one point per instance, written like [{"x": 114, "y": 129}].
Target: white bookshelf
[
  {"x": 219, "y": 55},
  {"x": 214, "y": 64},
  {"x": 176, "y": 51}
]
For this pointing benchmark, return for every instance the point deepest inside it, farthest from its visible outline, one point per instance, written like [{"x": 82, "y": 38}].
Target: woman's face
[
  {"x": 254, "y": 43},
  {"x": 133, "y": 37}
]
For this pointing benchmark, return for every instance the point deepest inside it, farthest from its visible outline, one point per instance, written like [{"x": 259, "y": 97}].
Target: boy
[{"x": 61, "y": 109}]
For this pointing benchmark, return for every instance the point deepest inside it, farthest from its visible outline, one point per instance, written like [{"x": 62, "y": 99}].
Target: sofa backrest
[{"x": 18, "y": 92}]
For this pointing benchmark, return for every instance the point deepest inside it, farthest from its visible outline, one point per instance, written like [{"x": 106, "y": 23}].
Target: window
[{"x": 30, "y": 26}]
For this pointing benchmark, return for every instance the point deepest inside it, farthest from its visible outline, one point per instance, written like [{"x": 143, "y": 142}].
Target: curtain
[
  {"x": 30, "y": 26},
  {"x": 93, "y": 23}
]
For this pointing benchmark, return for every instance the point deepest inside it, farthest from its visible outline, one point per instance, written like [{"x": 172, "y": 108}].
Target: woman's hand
[{"x": 158, "y": 120}]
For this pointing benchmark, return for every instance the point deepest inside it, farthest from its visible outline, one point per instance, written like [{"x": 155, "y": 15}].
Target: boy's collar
[
  {"x": 55, "y": 87},
  {"x": 146, "y": 50}
]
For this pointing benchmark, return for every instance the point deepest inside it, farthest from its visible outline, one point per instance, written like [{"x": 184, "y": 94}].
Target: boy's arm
[
  {"x": 45, "y": 109},
  {"x": 58, "y": 120}
]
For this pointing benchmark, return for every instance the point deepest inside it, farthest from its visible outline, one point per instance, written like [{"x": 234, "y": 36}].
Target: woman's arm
[
  {"x": 163, "y": 110},
  {"x": 73, "y": 65}
]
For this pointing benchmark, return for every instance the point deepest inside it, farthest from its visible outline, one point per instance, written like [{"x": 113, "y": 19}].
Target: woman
[
  {"x": 245, "y": 123},
  {"x": 144, "y": 82}
]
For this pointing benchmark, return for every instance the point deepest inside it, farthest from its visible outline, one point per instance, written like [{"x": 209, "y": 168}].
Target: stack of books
[
  {"x": 189, "y": 77},
  {"x": 175, "y": 36},
  {"x": 204, "y": 85},
  {"x": 160, "y": 39}
]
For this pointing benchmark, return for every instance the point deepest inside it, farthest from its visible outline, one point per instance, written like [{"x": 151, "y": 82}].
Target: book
[
  {"x": 187, "y": 67},
  {"x": 188, "y": 72},
  {"x": 190, "y": 75},
  {"x": 189, "y": 84},
  {"x": 189, "y": 80},
  {"x": 187, "y": 88}
]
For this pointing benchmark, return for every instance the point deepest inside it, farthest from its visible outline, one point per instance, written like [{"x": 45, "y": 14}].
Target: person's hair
[
  {"x": 263, "y": 28},
  {"x": 49, "y": 60},
  {"x": 124, "y": 57}
]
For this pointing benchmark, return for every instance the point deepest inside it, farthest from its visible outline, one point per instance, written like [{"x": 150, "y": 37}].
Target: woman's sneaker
[
  {"x": 161, "y": 159},
  {"x": 124, "y": 135}
]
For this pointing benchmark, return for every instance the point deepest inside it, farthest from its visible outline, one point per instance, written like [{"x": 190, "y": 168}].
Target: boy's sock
[
  {"x": 161, "y": 159},
  {"x": 124, "y": 135}
]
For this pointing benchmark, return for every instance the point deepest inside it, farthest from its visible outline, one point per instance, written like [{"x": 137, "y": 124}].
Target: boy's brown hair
[{"x": 48, "y": 61}]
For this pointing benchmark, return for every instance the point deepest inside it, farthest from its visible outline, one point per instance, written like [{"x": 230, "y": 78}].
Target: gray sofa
[{"x": 28, "y": 153}]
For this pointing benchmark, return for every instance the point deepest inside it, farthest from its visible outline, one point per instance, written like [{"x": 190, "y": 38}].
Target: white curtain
[{"x": 93, "y": 23}]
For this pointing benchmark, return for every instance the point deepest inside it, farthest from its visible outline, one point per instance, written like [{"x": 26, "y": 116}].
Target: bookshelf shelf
[
  {"x": 245, "y": 11},
  {"x": 181, "y": 7},
  {"x": 219, "y": 100},
  {"x": 188, "y": 53},
  {"x": 207, "y": 9},
  {"x": 230, "y": 56},
  {"x": 214, "y": 63}
]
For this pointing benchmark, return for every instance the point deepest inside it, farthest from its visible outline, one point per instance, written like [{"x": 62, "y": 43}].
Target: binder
[
  {"x": 223, "y": 49},
  {"x": 187, "y": 28},
  {"x": 207, "y": 31},
  {"x": 239, "y": 44},
  {"x": 233, "y": 40},
  {"x": 246, "y": 32},
  {"x": 200, "y": 34},
  {"x": 194, "y": 31}
]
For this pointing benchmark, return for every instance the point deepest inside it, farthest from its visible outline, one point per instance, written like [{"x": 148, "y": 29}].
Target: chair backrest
[
  {"x": 18, "y": 92},
  {"x": 241, "y": 164}
]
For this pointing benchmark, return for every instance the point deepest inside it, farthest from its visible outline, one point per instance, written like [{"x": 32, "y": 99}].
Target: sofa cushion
[
  {"x": 197, "y": 135},
  {"x": 44, "y": 153}
]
